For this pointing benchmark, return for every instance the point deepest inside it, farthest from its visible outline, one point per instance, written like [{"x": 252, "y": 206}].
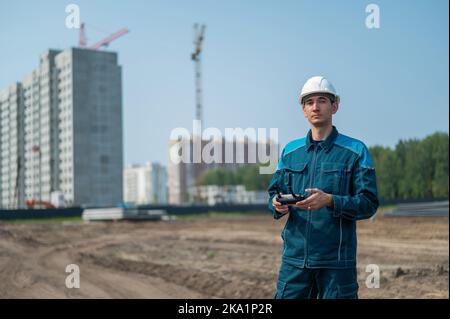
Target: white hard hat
[{"x": 318, "y": 84}]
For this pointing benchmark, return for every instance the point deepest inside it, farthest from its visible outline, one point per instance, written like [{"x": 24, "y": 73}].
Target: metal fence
[
  {"x": 11, "y": 214},
  {"x": 418, "y": 208}
]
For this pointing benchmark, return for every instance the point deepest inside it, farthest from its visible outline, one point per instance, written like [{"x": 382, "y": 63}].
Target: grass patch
[
  {"x": 211, "y": 254},
  {"x": 237, "y": 214},
  {"x": 215, "y": 214},
  {"x": 388, "y": 207},
  {"x": 385, "y": 209}
]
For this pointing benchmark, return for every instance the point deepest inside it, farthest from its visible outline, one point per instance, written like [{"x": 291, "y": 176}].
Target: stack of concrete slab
[{"x": 114, "y": 213}]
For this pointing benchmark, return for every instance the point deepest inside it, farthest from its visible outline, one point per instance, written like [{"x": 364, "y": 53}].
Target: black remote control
[{"x": 289, "y": 199}]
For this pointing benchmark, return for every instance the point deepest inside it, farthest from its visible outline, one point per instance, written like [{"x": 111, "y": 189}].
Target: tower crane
[{"x": 199, "y": 32}]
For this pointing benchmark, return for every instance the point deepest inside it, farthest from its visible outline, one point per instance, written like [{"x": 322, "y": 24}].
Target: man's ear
[
  {"x": 335, "y": 106},
  {"x": 303, "y": 109}
]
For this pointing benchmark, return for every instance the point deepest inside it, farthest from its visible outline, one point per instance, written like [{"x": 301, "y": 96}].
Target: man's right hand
[{"x": 278, "y": 206}]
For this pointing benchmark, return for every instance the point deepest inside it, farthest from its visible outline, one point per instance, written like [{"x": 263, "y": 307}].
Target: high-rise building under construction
[{"x": 61, "y": 131}]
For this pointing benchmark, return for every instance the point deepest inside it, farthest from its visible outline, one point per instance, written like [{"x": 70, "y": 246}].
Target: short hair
[{"x": 330, "y": 96}]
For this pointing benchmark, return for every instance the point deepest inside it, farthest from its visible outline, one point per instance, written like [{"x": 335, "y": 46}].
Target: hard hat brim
[{"x": 318, "y": 92}]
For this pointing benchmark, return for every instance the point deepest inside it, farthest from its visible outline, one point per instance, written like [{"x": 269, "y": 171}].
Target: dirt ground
[{"x": 217, "y": 257}]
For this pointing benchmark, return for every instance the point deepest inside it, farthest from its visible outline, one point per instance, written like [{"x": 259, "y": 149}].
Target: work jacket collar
[{"x": 327, "y": 144}]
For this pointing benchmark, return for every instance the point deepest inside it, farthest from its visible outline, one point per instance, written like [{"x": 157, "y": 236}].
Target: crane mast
[{"x": 196, "y": 57}]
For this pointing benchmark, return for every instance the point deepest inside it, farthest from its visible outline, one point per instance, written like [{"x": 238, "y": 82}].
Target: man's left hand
[{"x": 317, "y": 200}]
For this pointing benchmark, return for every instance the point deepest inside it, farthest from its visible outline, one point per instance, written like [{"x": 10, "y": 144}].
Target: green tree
[
  {"x": 423, "y": 166},
  {"x": 247, "y": 175},
  {"x": 387, "y": 171},
  {"x": 439, "y": 155}
]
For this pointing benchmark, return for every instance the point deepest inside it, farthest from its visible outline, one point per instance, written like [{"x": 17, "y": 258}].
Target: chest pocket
[
  {"x": 296, "y": 173},
  {"x": 334, "y": 178}
]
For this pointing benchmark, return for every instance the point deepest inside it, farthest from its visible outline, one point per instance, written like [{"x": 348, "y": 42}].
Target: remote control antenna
[{"x": 290, "y": 185}]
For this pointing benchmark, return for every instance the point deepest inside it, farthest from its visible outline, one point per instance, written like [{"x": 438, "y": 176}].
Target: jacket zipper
[
  {"x": 308, "y": 220},
  {"x": 342, "y": 185},
  {"x": 340, "y": 238}
]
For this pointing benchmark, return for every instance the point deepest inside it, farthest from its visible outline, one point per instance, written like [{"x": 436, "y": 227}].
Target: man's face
[{"x": 318, "y": 109}]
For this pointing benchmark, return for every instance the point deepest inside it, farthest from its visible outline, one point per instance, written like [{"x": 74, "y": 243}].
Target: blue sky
[{"x": 393, "y": 81}]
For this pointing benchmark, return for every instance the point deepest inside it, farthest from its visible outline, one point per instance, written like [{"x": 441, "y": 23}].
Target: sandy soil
[{"x": 219, "y": 257}]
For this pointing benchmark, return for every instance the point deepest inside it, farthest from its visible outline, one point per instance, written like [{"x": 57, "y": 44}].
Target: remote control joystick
[{"x": 291, "y": 198}]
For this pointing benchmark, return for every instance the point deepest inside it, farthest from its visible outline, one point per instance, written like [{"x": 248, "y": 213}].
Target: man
[{"x": 337, "y": 175}]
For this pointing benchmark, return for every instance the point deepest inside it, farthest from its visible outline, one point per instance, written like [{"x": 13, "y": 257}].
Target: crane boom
[{"x": 109, "y": 39}]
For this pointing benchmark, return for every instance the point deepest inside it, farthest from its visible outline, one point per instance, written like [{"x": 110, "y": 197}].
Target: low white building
[
  {"x": 145, "y": 184},
  {"x": 230, "y": 194}
]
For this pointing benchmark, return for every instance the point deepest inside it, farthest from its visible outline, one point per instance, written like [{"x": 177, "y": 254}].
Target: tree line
[
  {"x": 413, "y": 169},
  {"x": 247, "y": 175}
]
